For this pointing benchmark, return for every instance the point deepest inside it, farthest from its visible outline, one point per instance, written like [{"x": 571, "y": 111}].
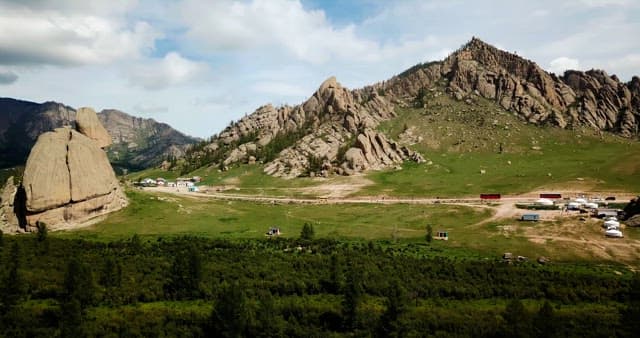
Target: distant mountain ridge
[
  {"x": 138, "y": 143},
  {"x": 335, "y": 130}
]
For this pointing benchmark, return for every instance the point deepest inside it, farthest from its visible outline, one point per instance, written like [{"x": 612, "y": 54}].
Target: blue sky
[{"x": 199, "y": 64}]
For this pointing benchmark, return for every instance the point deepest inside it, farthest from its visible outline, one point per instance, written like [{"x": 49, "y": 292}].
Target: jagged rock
[
  {"x": 8, "y": 220},
  {"x": 334, "y": 115},
  {"x": 67, "y": 180},
  {"x": 88, "y": 124},
  {"x": 633, "y": 208},
  {"x": 633, "y": 221}
]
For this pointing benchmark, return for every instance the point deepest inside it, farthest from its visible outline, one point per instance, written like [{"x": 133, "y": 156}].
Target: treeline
[{"x": 191, "y": 286}]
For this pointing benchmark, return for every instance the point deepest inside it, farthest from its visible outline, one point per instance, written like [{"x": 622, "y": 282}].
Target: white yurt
[
  {"x": 544, "y": 202},
  {"x": 613, "y": 233},
  {"x": 591, "y": 205},
  {"x": 580, "y": 200},
  {"x": 611, "y": 224}
]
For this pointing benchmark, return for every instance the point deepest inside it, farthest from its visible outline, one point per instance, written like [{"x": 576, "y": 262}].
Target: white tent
[
  {"x": 580, "y": 200},
  {"x": 613, "y": 233},
  {"x": 544, "y": 201},
  {"x": 591, "y": 205},
  {"x": 611, "y": 224}
]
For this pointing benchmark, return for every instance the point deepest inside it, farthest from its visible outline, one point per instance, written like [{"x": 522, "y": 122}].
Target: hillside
[
  {"x": 137, "y": 143},
  {"x": 337, "y": 131}
]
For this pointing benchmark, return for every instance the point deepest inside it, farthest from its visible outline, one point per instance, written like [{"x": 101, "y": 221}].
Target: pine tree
[
  {"x": 545, "y": 322},
  {"x": 11, "y": 290},
  {"x": 307, "y": 232},
  {"x": 230, "y": 316},
  {"x": 395, "y": 302},
  {"x": 351, "y": 300}
]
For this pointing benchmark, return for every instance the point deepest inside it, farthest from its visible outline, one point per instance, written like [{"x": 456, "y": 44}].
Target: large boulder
[
  {"x": 67, "y": 180},
  {"x": 87, "y": 123}
]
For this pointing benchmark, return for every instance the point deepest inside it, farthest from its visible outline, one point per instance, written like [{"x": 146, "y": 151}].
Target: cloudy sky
[{"x": 198, "y": 64}]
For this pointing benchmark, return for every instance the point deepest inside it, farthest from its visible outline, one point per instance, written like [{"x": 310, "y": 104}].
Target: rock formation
[
  {"x": 335, "y": 129},
  {"x": 67, "y": 180},
  {"x": 632, "y": 212},
  {"x": 332, "y": 123},
  {"x": 88, "y": 124},
  {"x": 7, "y": 214},
  {"x": 137, "y": 143},
  {"x": 592, "y": 99}
]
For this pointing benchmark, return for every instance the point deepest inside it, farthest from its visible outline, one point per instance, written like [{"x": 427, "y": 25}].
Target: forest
[{"x": 304, "y": 287}]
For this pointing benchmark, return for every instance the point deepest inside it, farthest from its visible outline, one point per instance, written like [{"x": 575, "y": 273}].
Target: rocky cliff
[
  {"x": 67, "y": 180},
  {"x": 335, "y": 130},
  {"x": 136, "y": 142},
  {"x": 590, "y": 99}
]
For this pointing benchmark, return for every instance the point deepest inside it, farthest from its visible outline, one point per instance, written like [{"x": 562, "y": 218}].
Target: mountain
[
  {"x": 137, "y": 142},
  {"x": 338, "y": 130}
]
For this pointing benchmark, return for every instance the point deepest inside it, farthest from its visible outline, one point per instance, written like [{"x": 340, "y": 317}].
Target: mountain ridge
[
  {"x": 337, "y": 126},
  {"x": 21, "y": 122}
]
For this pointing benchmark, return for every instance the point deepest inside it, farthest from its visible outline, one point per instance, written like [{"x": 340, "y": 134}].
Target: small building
[
  {"x": 574, "y": 206},
  {"x": 442, "y": 235},
  {"x": 183, "y": 183},
  {"x": 171, "y": 184},
  {"x": 161, "y": 182},
  {"x": 273, "y": 231},
  {"x": 530, "y": 217},
  {"x": 148, "y": 182},
  {"x": 604, "y": 213}
]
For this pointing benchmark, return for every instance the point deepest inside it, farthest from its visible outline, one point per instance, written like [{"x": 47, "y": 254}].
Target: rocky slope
[
  {"x": 337, "y": 135},
  {"x": 576, "y": 99},
  {"x": 136, "y": 142},
  {"x": 335, "y": 130}
]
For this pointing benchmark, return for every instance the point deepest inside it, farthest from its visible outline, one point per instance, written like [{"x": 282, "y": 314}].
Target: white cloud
[
  {"x": 559, "y": 65},
  {"x": 171, "y": 70},
  {"x": 43, "y": 34},
  {"x": 274, "y": 25}
]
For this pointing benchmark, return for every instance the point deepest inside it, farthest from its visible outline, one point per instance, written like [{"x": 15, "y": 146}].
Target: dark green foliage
[
  {"x": 315, "y": 164},
  {"x": 12, "y": 288},
  {"x": 78, "y": 283},
  {"x": 307, "y": 232},
  {"x": 429, "y": 233},
  {"x": 517, "y": 319},
  {"x": 336, "y": 288},
  {"x": 185, "y": 275},
  {"x": 351, "y": 299},
  {"x": 230, "y": 316},
  {"x": 42, "y": 231},
  {"x": 1, "y": 240},
  {"x": 545, "y": 321},
  {"x": 395, "y": 302},
  {"x": 421, "y": 98}
]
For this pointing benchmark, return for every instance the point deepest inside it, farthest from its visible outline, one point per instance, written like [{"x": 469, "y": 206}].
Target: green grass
[
  {"x": 461, "y": 140},
  {"x": 159, "y": 214}
]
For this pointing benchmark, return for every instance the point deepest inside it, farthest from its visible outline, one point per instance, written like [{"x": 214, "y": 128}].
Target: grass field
[
  {"x": 154, "y": 215},
  {"x": 161, "y": 214}
]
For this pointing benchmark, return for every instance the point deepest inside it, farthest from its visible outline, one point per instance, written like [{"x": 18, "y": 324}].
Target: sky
[{"x": 200, "y": 64}]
